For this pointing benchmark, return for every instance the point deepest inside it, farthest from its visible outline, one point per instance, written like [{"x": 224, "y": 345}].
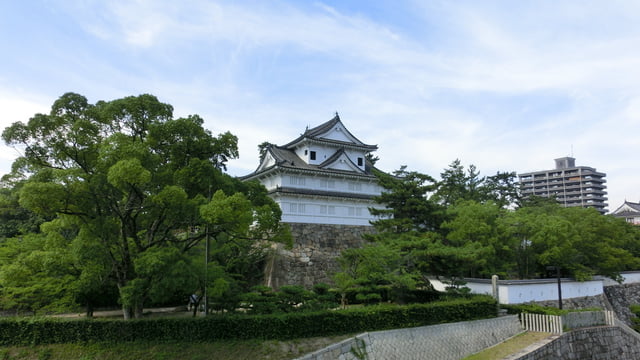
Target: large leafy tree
[
  {"x": 478, "y": 226},
  {"x": 134, "y": 181}
]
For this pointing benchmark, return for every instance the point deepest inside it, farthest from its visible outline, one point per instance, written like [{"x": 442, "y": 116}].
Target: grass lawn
[
  {"x": 509, "y": 347},
  {"x": 254, "y": 350}
]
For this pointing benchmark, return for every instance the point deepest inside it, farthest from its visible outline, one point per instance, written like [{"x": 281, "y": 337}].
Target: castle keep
[{"x": 324, "y": 184}]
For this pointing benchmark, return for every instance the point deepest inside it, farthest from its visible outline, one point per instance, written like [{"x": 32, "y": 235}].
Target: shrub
[{"x": 281, "y": 326}]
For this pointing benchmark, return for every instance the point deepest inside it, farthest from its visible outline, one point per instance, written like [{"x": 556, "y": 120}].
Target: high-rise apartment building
[{"x": 571, "y": 185}]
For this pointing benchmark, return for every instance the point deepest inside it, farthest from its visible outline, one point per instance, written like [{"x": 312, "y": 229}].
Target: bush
[
  {"x": 282, "y": 326},
  {"x": 635, "y": 309},
  {"x": 533, "y": 309},
  {"x": 539, "y": 309}
]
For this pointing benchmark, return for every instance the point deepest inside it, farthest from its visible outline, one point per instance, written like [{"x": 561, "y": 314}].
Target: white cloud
[
  {"x": 502, "y": 85},
  {"x": 16, "y": 106}
]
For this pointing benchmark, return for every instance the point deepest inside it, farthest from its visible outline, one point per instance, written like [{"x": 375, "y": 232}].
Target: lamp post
[{"x": 557, "y": 268}]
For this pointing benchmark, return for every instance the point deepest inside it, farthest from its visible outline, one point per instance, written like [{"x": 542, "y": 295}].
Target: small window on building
[
  {"x": 312, "y": 156},
  {"x": 360, "y": 161}
]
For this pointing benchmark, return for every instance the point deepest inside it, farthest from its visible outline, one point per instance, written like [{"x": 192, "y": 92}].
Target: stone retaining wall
[
  {"x": 585, "y": 302},
  {"x": 621, "y": 297},
  {"x": 312, "y": 258},
  {"x": 437, "y": 342},
  {"x": 607, "y": 342}
]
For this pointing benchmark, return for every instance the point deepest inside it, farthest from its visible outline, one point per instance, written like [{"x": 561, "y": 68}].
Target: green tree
[
  {"x": 409, "y": 207},
  {"x": 457, "y": 184},
  {"x": 503, "y": 189},
  {"x": 480, "y": 223},
  {"x": 134, "y": 179},
  {"x": 580, "y": 241},
  {"x": 372, "y": 273},
  {"x": 15, "y": 219}
]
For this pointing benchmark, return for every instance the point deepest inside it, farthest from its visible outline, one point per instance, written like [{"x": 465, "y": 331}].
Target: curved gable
[{"x": 340, "y": 161}]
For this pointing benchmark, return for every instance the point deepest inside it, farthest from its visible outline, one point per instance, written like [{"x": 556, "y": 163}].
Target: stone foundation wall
[
  {"x": 607, "y": 342},
  {"x": 312, "y": 259},
  {"x": 585, "y": 302},
  {"x": 437, "y": 342},
  {"x": 621, "y": 297}
]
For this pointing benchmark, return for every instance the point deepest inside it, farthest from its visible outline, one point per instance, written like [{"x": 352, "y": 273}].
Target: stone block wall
[
  {"x": 608, "y": 342},
  {"x": 312, "y": 259},
  {"x": 437, "y": 342},
  {"x": 585, "y": 302},
  {"x": 621, "y": 297}
]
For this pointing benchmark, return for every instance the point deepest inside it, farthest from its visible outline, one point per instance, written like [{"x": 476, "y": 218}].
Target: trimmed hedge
[
  {"x": 539, "y": 309},
  {"x": 281, "y": 326}
]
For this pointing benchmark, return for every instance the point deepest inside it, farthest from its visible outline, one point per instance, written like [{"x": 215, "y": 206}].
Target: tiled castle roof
[
  {"x": 627, "y": 209},
  {"x": 314, "y": 134},
  {"x": 286, "y": 158}
]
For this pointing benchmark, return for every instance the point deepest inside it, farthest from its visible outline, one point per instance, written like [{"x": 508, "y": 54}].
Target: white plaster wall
[
  {"x": 347, "y": 185},
  {"x": 324, "y": 211},
  {"x": 480, "y": 288},
  {"x": 630, "y": 277},
  {"x": 523, "y": 291},
  {"x": 548, "y": 290}
]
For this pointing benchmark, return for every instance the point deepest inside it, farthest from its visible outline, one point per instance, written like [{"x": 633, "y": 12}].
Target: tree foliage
[
  {"x": 467, "y": 225},
  {"x": 138, "y": 187}
]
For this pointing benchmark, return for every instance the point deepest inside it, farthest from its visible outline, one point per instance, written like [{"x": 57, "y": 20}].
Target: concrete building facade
[{"x": 570, "y": 185}]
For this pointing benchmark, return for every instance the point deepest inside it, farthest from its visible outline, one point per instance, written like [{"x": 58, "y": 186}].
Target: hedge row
[{"x": 281, "y": 326}]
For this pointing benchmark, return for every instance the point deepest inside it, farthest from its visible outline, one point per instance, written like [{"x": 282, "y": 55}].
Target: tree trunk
[
  {"x": 127, "y": 312},
  {"x": 138, "y": 310},
  {"x": 89, "y": 313}
]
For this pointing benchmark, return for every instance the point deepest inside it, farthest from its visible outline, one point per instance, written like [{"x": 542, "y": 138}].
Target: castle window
[
  {"x": 323, "y": 209},
  {"x": 296, "y": 208},
  {"x": 296, "y": 180},
  {"x": 332, "y": 210},
  {"x": 360, "y": 161},
  {"x": 328, "y": 184},
  {"x": 312, "y": 156}
]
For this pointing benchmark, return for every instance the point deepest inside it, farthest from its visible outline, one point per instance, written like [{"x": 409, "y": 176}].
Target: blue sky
[{"x": 504, "y": 85}]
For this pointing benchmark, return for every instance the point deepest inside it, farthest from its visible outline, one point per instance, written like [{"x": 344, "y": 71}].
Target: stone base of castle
[{"x": 312, "y": 259}]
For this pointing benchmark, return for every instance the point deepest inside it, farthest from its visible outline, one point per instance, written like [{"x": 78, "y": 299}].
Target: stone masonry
[
  {"x": 438, "y": 342},
  {"x": 312, "y": 259},
  {"x": 621, "y": 297},
  {"x": 606, "y": 342}
]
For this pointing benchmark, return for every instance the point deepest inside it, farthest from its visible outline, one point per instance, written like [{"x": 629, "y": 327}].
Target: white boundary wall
[{"x": 524, "y": 291}]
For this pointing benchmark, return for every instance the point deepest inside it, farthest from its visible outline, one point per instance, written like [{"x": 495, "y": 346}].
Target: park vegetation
[
  {"x": 470, "y": 226},
  {"x": 118, "y": 202}
]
